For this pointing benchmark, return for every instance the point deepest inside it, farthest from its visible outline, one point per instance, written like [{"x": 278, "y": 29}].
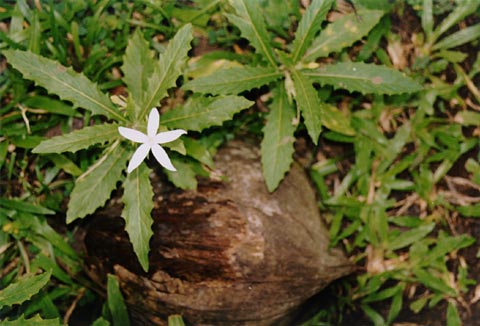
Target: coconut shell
[{"x": 229, "y": 253}]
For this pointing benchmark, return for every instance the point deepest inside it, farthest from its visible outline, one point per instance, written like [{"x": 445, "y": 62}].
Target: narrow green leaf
[
  {"x": 459, "y": 38},
  {"x": 62, "y": 162},
  {"x": 335, "y": 120},
  {"x": 427, "y": 17},
  {"x": 23, "y": 289},
  {"x": 278, "y": 138},
  {"x": 138, "y": 65},
  {"x": 411, "y": 236},
  {"x": 376, "y": 318},
  {"x": 23, "y": 206},
  {"x": 168, "y": 69},
  {"x": 433, "y": 282},
  {"x": 308, "y": 102},
  {"x": 138, "y": 200},
  {"x": 175, "y": 320},
  {"x": 309, "y": 25},
  {"x": 453, "y": 317},
  {"x": 65, "y": 82},
  {"x": 50, "y": 105},
  {"x": 93, "y": 188},
  {"x": 342, "y": 33},
  {"x": 34, "y": 321},
  {"x": 461, "y": 11},
  {"x": 203, "y": 112},
  {"x": 79, "y": 139},
  {"x": 233, "y": 80},
  {"x": 364, "y": 78},
  {"x": 116, "y": 305},
  {"x": 251, "y": 23},
  {"x": 469, "y": 210}
]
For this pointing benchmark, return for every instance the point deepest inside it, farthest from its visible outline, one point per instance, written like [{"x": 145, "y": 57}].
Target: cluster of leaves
[{"x": 384, "y": 196}]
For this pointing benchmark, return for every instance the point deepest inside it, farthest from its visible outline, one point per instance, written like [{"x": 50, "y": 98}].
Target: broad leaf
[
  {"x": 310, "y": 24},
  {"x": 251, "y": 23},
  {"x": 116, "y": 304},
  {"x": 335, "y": 120},
  {"x": 168, "y": 69},
  {"x": 342, "y": 33},
  {"x": 79, "y": 139},
  {"x": 23, "y": 289},
  {"x": 308, "y": 102},
  {"x": 278, "y": 138},
  {"x": 233, "y": 80},
  {"x": 363, "y": 78},
  {"x": 184, "y": 177},
  {"x": 138, "y": 65},
  {"x": 203, "y": 112},
  {"x": 92, "y": 189},
  {"x": 198, "y": 151},
  {"x": 138, "y": 200},
  {"x": 65, "y": 82}
]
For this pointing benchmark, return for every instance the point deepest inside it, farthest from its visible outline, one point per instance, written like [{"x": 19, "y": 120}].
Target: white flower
[{"x": 151, "y": 141}]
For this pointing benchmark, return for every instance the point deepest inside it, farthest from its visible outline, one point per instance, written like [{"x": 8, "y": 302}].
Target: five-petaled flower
[{"x": 151, "y": 141}]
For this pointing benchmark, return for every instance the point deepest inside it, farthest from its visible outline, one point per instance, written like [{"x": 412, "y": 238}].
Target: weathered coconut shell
[{"x": 229, "y": 253}]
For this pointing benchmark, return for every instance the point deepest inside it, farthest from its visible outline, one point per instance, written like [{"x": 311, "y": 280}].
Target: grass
[{"x": 398, "y": 195}]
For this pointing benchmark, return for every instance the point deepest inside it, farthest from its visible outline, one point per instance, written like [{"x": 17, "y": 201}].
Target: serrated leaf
[
  {"x": 79, "y": 139},
  {"x": 65, "y": 82},
  {"x": 203, "y": 112},
  {"x": 93, "y": 188},
  {"x": 168, "y": 69},
  {"x": 233, "y": 80},
  {"x": 308, "y": 102},
  {"x": 363, "y": 78},
  {"x": 309, "y": 25},
  {"x": 34, "y": 321},
  {"x": 116, "y": 304},
  {"x": 251, "y": 23},
  {"x": 138, "y": 65},
  {"x": 342, "y": 33},
  {"x": 278, "y": 138},
  {"x": 138, "y": 200},
  {"x": 23, "y": 289},
  {"x": 184, "y": 177},
  {"x": 198, "y": 151}
]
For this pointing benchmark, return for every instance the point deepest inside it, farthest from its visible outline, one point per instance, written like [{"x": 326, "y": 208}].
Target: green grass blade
[
  {"x": 308, "y": 102},
  {"x": 251, "y": 23},
  {"x": 459, "y": 38},
  {"x": 309, "y": 25},
  {"x": 34, "y": 321},
  {"x": 65, "y": 82},
  {"x": 342, "y": 33},
  {"x": 363, "y": 78},
  {"x": 138, "y": 200},
  {"x": 233, "y": 80},
  {"x": 168, "y": 69},
  {"x": 175, "y": 320},
  {"x": 23, "y": 289},
  {"x": 278, "y": 138},
  {"x": 203, "y": 112},
  {"x": 79, "y": 139},
  {"x": 92, "y": 189},
  {"x": 116, "y": 305}
]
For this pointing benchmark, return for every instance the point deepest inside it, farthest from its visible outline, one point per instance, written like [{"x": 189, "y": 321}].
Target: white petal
[
  {"x": 168, "y": 136},
  {"x": 138, "y": 157},
  {"x": 133, "y": 135},
  {"x": 153, "y": 122},
  {"x": 162, "y": 157}
]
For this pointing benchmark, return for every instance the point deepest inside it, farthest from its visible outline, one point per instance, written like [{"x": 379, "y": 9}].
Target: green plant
[
  {"x": 147, "y": 81},
  {"x": 292, "y": 75}
]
